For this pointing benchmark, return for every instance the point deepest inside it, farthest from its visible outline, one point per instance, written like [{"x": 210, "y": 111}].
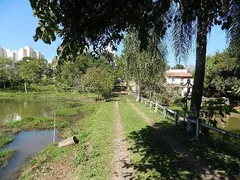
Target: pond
[
  {"x": 27, "y": 144},
  {"x": 15, "y": 110},
  {"x": 231, "y": 123}
]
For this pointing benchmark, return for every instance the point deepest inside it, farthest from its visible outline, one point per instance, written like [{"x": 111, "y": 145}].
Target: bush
[{"x": 99, "y": 80}]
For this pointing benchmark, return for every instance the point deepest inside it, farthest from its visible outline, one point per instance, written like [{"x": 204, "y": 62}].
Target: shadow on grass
[
  {"x": 165, "y": 152},
  {"x": 158, "y": 159}
]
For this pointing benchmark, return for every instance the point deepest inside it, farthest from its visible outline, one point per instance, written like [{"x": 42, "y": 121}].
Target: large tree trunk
[{"x": 197, "y": 91}]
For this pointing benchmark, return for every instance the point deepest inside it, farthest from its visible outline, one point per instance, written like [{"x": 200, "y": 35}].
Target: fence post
[
  {"x": 150, "y": 104},
  {"x": 197, "y": 128},
  {"x": 156, "y": 107},
  {"x": 176, "y": 118},
  {"x": 164, "y": 112}
]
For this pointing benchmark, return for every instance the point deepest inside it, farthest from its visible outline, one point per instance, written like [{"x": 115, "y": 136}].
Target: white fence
[{"x": 178, "y": 117}]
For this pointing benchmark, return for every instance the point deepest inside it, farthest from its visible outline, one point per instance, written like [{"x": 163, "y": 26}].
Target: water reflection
[{"x": 14, "y": 110}]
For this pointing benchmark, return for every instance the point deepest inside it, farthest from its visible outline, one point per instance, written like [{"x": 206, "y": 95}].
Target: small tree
[
  {"x": 31, "y": 70},
  {"x": 99, "y": 80},
  {"x": 178, "y": 66}
]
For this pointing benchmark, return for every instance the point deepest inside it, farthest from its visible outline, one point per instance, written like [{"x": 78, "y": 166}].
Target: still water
[
  {"x": 27, "y": 144},
  {"x": 11, "y": 110},
  {"x": 231, "y": 123}
]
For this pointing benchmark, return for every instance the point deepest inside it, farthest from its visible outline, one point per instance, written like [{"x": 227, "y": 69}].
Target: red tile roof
[{"x": 179, "y": 74}]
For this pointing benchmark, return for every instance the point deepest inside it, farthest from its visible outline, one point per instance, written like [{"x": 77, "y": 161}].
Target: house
[{"x": 177, "y": 79}]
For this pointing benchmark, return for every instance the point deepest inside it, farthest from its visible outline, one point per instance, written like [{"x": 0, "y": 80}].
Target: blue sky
[{"x": 18, "y": 27}]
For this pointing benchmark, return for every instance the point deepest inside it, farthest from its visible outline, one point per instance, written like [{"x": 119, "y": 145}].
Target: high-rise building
[
  {"x": 17, "y": 55},
  {"x": 39, "y": 55},
  {"x": 2, "y": 52},
  {"x": 14, "y": 55},
  {"x": 21, "y": 54}
]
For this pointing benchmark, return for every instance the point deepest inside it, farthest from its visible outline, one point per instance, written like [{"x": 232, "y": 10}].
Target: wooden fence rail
[{"x": 178, "y": 117}]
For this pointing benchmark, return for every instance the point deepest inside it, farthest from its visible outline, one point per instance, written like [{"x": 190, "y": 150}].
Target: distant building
[
  {"x": 21, "y": 53},
  {"x": 39, "y": 55},
  {"x": 177, "y": 79},
  {"x": 14, "y": 55},
  {"x": 17, "y": 55},
  {"x": 2, "y": 52}
]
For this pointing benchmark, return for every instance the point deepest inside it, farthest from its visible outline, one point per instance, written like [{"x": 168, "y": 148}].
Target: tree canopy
[
  {"x": 222, "y": 75},
  {"x": 97, "y": 23},
  {"x": 99, "y": 80},
  {"x": 31, "y": 70},
  {"x": 178, "y": 66},
  {"x": 146, "y": 67}
]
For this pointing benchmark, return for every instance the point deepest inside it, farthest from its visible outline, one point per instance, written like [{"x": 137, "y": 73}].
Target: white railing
[{"x": 178, "y": 117}]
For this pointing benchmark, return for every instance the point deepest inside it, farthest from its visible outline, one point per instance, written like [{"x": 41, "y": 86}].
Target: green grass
[
  {"x": 64, "y": 111},
  {"x": 216, "y": 150},
  {"x": 155, "y": 116},
  {"x": 5, "y": 156},
  {"x": 43, "y": 96},
  {"x": 151, "y": 157},
  {"x": 36, "y": 123},
  {"x": 93, "y": 155},
  {"x": 5, "y": 139}
]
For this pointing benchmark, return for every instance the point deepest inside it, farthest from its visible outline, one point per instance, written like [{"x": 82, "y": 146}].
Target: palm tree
[{"x": 195, "y": 18}]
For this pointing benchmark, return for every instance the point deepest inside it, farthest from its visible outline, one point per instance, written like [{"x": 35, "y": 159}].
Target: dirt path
[
  {"x": 121, "y": 159},
  {"x": 195, "y": 165}
]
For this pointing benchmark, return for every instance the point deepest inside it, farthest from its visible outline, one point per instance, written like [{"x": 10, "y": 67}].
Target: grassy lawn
[
  {"x": 92, "y": 157},
  {"x": 150, "y": 156}
]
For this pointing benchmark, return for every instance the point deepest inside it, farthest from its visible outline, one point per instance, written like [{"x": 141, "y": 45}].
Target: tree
[
  {"x": 222, "y": 75},
  {"x": 31, "y": 70},
  {"x": 82, "y": 24},
  {"x": 71, "y": 71},
  {"x": 178, "y": 66},
  {"x": 100, "y": 23},
  {"x": 197, "y": 18},
  {"x": 99, "y": 80},
  {"x": 5, "y": 67},
  {"x": 144, "y": 67}
]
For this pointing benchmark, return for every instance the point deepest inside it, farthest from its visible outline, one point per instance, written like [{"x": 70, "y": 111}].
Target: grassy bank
[
  {"x": 151, "y": 157},
  {"x": 91, "y": 158},
  {"x": 42, "y": 96},
  {"x": 5, "y": 139},
  {"x": 5, "y": 156},
  {"x": 36, "y": 123}
]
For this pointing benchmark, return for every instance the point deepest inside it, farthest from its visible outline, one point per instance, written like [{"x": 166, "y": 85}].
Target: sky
[{"x": 17, "y": 27}]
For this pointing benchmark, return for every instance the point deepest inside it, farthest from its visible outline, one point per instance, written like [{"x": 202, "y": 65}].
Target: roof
[{"x": 179, "y": 74}]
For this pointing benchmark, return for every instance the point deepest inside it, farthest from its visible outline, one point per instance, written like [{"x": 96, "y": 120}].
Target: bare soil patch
[{"x": 121, "y": 159}]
